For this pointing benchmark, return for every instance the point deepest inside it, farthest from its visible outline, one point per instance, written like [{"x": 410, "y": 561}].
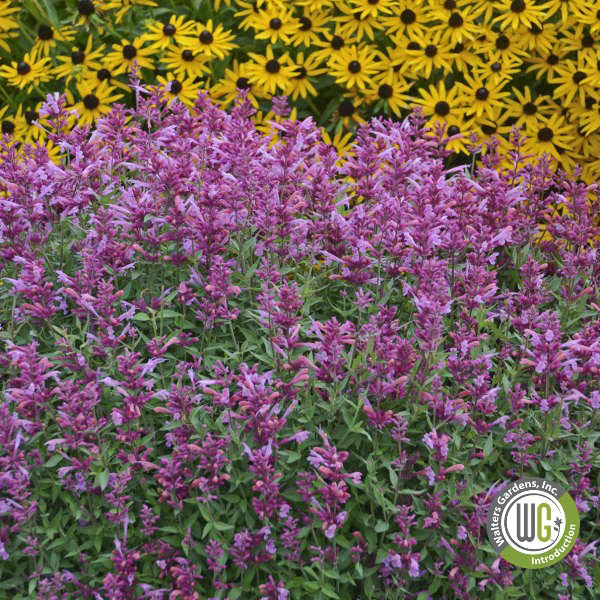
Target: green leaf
[
  {"x": 488, "y": 447},
  {"x": 53, "y": 460},
  {"x": 381, "y": 526},
  {"x": 102, "y": 480}
]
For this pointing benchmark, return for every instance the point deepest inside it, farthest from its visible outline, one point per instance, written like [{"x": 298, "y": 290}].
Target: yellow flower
[
  {"x": 7, "y": 126},
  {"x": 576, "y": 39},
  {"x": 573, "y": 81},
  {"x": 93, "y": 102},
  {"x": 547, "y": 63},
  {"x": 347, "y": 112},
  {"x": 124, "y": 5},
  {"x": 354, "y": 25},
  {"x": 541, "y": 39},
  {"x": 459, "y": 27},
  {"x": 161, "y": 36},
  {"x": 551, "y": 136},
  {"x": 440, "y": 103},
  {"x": 519, "y": 12},
  {"x": 342, "y": 142},
  {"x": 184, "y": 89},
  {"x": 526, "y": 109},
  {"x": 496, "y": 71},
  {"x": 226, "y": 88},
  {"x": 355, "y": 66},
  {"x": 79, "y": 62},
  {"x": 120, "y": 59},
  {"x": 211, "y": 40},
  {"x": 409, "y": 19},
  {"x": 506, "y": 46},
  {"x": 434, "y": 53},
  {"x": 482, "y": 97},
  {"x": 47, "y": 37},
  {"x": 25, "y": 128},
  {"x": 332, "y": 45},
  {"x": 6, "y": 20},
  {"x": 369, "y": 8},
  {"x": 392, "y": 96},
  {"x": 311, "y": 26},
  {"x": 251, "y": 11},
  {"x": 392, "y": 67},
  {"x": 270, "y": 73},
  {"x": 185, "y": 62},
  {"x": 276, "y": 24},
  {"x": 304, "y": 68},
  {"x": 27, "y": 73},
  {"x": 94, "y": 78}
]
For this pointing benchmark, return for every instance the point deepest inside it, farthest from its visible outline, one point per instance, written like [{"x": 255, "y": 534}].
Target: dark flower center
[
  {"x": 275, "y": 23},
  {"x": 529, "y": 108},
  {"x": 305, "y": 24},
  {"x": 455, "y": 20},
  {"x": 169, "y": 30},
  {"x": 408, "y": 17},
  {"x": 77, "y": 57},
  {"x": 272, "y": 66},
  {"x": 552, "y": 59},
  {"x": 385, "y": 91},
  {"x": 372, "y": 2},
  {"x": 346, "y": 108},
  {"x": 206, "y": 37},
  {"x": 488, "y": 129},
  {"x": 458, "y": 48},
  {"x": 496, "y": 67},
  {"x": 358, "y": 16},
  {"x": 442, "y": 108},
  {"x": 187, "y": 55},
  {"x": 587, "y": 41},
  {"x": 8, "y": 127},
  {"x": 545, "y": 134},
  {"x": 413, "y": 46},
  {"x": 23, "y": 68},
  {"x": 450, "y": 4},
  {"x": 535, "y": 29},
  {"x": 430, "y": 50},
  {"x": 453, "y": 130},
  {"x": 300, "y": 73},
  {"x": 517, "y": 6},
  {"x": 31, "y": 116},
  {"x": 589, "y": 102},
  {"x": 502, "y": 42},
  {"x": 85, "y": 7},
  {"x": 482, "y": 94},
  {"x": 337, "y": 42},
  {"x": 103, "y": 74},
  {"x": 354, "y": 66},
  {"x": 129, "y": 51},
  {"x": 578, "y": 77},
  {"x": 598, "y": 15},
  {"x": 91, "y": 102},
  {"x": 242, "y": 83},
  {"x": 176, "y": 87},
  {"x": 45, "y": 33}
]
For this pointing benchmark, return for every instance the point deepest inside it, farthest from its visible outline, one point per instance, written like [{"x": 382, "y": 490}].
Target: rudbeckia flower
[
  {"x": 270, "y": 73},
  {"x": 162, "y": 35},
  {"x": 93, "y": 102},
  {"x": 77, "y": 64},
  {"x": 27, "y": 73},
  {"x": 120, "y": 59},
  {"x": 355, "y": 66},
  {"x": 184, "y": 89},
  {"x": 210, "y": 40}
]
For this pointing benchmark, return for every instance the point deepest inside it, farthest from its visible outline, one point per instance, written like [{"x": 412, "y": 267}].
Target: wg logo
[{"x": 533, "y": 523}]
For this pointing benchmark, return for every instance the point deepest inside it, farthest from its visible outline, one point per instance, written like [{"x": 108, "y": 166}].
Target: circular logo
[{"x": 533, "y": 523}]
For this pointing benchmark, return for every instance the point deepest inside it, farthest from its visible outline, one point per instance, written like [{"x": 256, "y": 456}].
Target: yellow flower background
[{"x": 475, "y": 66}]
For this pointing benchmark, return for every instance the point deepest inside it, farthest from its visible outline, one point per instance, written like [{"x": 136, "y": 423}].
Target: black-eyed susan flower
[
  {"x": 589, "y": 118},
  {"x": 391, "y": 97},
  {"x": 26, "y": 128},
  {"x": 355, "y": 66},
  {"x": 332, "y": 44},
  {"x": 182, "y": 88},
  {"x": 373, "y": 8},
  {"x": 496, "y": 71},
  {"x": 505, "y": 46},
  {"x": 276, "y": 24},
  {"x": 516, "y": 13},
  {"x": 546, "y": 63},
  {"x": 348, "y": 113},
  {"x": 235, "y": 78},
  {"x": 551, "y": 7},
  {"x": 409, "y": 19},
  {"x": 354, "y": 25},
  {"x": 540, "y": 39},
  {"x": 588, "y": 13},
  {"x": 210, "y": 40},
  {"x": 392, "y": 66},
  {"x": 573, "y": 81},
  {"x": 95, "y": 77},
  {"x": 526, "y": 108},
  {"x": 79, "y": 61},
  {"x": 92, "y": 102},
  {"x": 7, "y": 124},
  {"x": 483, "y": 98},
  {"x": 8, "y": 25},
  {"x": 311, "y": 25},
  {"x": 47, "y": 37},
  {"x": 463, "y": 57},
  {"x": 577, "y": 39},
  {"x": 304, "y": 68},
  {"x": 27, "y": 73},
  {"x": 552, "y": 136},
  {"x": 269, "y": 73},
  {"x": 439, "y": 103},
  {"x": 250, "y": 12},
  {"x": 433, "y": 53},
  {"x": 176, "y": 30},
  {"x": 459, "y": 27},
  {"x": 120, "y": 59},
  {"x": 184, "y": 61},
  {"x": 342, "y": 141}
]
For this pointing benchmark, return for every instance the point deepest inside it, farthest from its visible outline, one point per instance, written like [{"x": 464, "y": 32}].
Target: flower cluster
[{"x": 478, "y": 68}]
